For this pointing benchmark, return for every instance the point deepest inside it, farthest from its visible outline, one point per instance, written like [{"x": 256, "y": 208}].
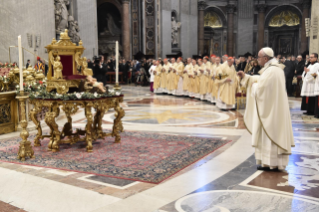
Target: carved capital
[
  {"x": 202, "y": 5},
  {"x": 261, "y": 8},
  {"x": 306, "y": 4},
  {"x": 230, "y": 8},
  {"x": 126, "y": 1}
]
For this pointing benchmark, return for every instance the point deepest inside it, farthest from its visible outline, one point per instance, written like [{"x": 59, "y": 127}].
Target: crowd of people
[{"x": 215, "y": 79}]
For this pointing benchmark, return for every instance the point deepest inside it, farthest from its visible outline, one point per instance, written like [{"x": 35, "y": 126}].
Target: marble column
[
  {"x": 201, "y": 10},
  {"x": 305, "y": 14},
  {"x": 261, "y": 25},
  {"x": 230, "y": 29},
  {"x": 126, "y": 34}
]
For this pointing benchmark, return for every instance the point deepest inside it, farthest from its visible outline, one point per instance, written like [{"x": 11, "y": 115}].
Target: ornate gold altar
[
  {"x": 93, "y": 129},
  {"x": 8, "y": 114},
  {"x": 65, "y": 61}
]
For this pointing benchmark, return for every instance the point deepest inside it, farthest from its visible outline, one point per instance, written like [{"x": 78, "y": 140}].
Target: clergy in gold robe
[
  {"x": 157, "y": 78},
  {"x": 203, "y": 78},
  {"x": 188, "y": 69},
  {"x": 209, "y": 68},
  {"x": 193, "y": 83},
  {"x": 227, "y": 80},
  {"x": 224, "y": 59},
  {"x": 164, "y": 74},
  {"x": 249, "y": 65},
  {"x": 267, "y": 116},
  {"x": 171, "y": 77},
  {"x": 215, "y": 85},
  {"x": 179, "y": 80}
]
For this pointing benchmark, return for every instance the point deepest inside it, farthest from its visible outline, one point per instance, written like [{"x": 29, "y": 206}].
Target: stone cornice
[{"x": 202, "y": 5}]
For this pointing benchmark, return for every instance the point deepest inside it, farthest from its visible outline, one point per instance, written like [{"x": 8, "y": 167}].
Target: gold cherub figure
[{"x": 57, "y": 67}]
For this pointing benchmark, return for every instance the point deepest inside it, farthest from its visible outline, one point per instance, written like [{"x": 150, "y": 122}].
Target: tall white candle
[
  {"x": 117, "y": 61},
  {"x": 20, "y": 62}
]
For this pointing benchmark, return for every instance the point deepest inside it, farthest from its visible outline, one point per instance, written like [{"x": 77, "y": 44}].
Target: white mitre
[{"x": 268, "y": 51}]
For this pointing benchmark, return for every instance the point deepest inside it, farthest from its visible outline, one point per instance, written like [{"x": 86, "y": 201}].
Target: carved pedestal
[
  {"x": 93, "y": 129},
  {"x": 25, "y": 148}
]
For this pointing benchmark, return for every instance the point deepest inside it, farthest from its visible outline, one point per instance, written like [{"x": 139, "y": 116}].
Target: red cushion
[
  {"x": 73, "y": 77},
  {"x": 67, "y": 62}
]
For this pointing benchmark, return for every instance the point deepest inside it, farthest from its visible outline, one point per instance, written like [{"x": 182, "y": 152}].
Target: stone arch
[
  {"x": 219, "y": 12},
  {"x": 115, "y": 2},
  {"x": 278, "y": 9},
  {"x": 214, "y": 38},
  {"x": 285, "y": 40},
  {"x": 110, "y": 16}
]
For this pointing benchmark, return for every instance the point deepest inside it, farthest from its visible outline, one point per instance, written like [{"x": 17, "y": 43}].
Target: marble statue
[
  {"x": 111, "y": 29},
  {"x": 57, "y": 67},
  {"x": 85, "y": 70},
  {"x": 92, "y": 83},
  {"x": 108, "y": 47},
  {"x": 74, "y": 30},
  {"x": 61, "y": 15},
  {"x": 175, "y": 32}
]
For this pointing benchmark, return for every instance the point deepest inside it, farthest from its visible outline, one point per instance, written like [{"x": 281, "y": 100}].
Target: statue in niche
[
  {"x": 74, "y": 30},
  {"x": 109, "y": 48},
  {"x": 58, "y": 15},
  {"x": 112, "y": 28},
  {"x": 175, "y": 32},
  {"x": 61, "y": 15}
]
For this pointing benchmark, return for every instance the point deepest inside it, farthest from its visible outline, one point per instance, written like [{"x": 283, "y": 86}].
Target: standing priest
[
  {"x": 267, "y": 115},
  {"x": 308, "y": 85},
  {"x": 315, "y": 66},
  {"x": 227, "y": 83}
]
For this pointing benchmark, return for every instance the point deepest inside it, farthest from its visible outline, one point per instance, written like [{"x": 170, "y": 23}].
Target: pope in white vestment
[{"x": 267, "y": 116}]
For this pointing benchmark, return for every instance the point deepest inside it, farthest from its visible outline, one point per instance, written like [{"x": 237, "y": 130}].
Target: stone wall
[
  {"x": 21, "y": 17},
  {"x": 87, "y": 19},
  {"x": 37, "y": 17},
  {"x": 314, "y": 37},
  {"x": 187, "y": 15},
  {"x": 245, "y": 26}
]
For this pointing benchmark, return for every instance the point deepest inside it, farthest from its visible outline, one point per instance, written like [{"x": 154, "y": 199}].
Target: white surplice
[{"x": 308, "y": 84}]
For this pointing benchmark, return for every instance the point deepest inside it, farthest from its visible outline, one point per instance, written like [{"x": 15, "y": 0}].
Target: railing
[{"x": 22, "y": 53}]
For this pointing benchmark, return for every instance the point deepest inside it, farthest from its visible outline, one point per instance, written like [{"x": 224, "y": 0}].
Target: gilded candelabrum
[
  {"x": 117, "y": 87},
  {"x": 25, "y": 148}
]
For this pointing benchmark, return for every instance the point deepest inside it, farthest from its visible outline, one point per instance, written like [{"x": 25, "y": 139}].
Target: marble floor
[{"x": 225, "y": 180}]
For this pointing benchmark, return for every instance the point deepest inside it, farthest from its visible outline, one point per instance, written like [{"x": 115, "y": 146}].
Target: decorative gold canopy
[
  {"x": 64, "y": 47},
  {"x": 63, "y": 74},
  {"x": 212, "y": 20},
  {"x": 285, "y": 18}
]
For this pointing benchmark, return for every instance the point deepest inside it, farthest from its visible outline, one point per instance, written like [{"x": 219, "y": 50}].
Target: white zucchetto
[{"x": 268, "y": 51}]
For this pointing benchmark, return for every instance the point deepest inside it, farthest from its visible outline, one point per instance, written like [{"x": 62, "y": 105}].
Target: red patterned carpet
[{"x": 147, "y": 157}]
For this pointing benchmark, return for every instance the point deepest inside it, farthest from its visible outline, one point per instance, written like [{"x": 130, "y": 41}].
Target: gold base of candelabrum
[
  {"x": 25, "y": 148},
  {"x": 117, "y": 86}
]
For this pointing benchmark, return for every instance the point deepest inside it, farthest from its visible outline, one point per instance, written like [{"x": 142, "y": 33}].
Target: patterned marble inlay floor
[{"x": 225, "y": 180}]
